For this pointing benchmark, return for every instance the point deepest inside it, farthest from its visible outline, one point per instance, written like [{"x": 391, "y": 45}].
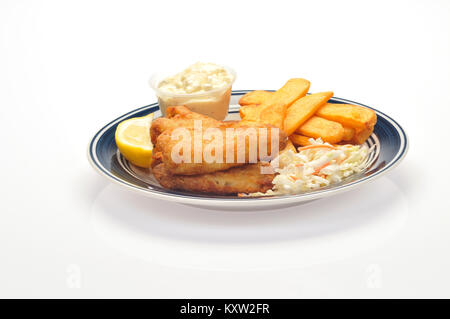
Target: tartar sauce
[
  {"x": 204, "y": 88},
  {"x": 197, "y": 78}
]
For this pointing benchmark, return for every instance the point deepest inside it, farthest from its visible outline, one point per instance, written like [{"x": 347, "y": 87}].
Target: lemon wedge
[{"x": 133, "y": 140}]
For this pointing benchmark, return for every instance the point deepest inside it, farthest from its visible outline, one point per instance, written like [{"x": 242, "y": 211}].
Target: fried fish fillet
[
  {"x": 244, "y": 179},
  {"x": 187, "y": 151},
  {"x": 179, "y": 116},
  {"x": 176, "y": 116},
  {"x": 157, "y": 154}
]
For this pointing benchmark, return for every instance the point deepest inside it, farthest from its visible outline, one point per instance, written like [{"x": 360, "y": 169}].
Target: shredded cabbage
[{"x": 315, "y": 167}]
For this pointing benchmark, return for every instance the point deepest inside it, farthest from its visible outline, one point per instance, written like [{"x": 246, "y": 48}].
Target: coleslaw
[{"x": 317, "y": 165}]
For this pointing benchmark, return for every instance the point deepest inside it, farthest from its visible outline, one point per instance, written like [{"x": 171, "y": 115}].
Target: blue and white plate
[{"x": 389, "y": 140}]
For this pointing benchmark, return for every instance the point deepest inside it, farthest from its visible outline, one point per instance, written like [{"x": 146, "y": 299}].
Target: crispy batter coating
[
  {"x": 211, "y": 153},
  {"x": 244, "y": 179},
  {"x": 166, "y": 143},
  {"x": 179, "y": 116}
]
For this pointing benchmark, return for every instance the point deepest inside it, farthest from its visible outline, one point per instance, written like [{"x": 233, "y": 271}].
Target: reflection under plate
[{"x": 181, "y": 236}]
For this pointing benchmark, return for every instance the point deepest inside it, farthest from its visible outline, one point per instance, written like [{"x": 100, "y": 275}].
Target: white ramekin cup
[{"x": 213, "y": 103}]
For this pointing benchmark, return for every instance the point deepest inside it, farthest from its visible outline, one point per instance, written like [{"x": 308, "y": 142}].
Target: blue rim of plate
[{"x": 385, "y": 125}]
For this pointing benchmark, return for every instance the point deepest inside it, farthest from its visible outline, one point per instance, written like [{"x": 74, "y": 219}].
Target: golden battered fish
[
  {"x": 179, "y": 116},
  {"x": 244, "y": 179},
  {"x": 184, "y": 154}
]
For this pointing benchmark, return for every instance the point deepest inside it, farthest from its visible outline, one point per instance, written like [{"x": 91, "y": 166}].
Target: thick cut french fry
[
  {"x": 349, "y": 115},
  {"x": 274, "y": 114},
  {"x": 291, "y": 91},
  {"x": 255, "y": 97},
  {"x": 328, "y": 131},
  {"x": 349, "y": 132},
  {"x": 272, "y": 110},
  {"x": 361, "y": 135},
  {"x": 289, "y": 147},
  {"x": 250, "y": 112},
  {"x": 300, "y": 140},
  {"x": 303, "y": 109}
]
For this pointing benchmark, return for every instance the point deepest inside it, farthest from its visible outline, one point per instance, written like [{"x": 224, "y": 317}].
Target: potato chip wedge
[
  {"x": 328, "y": 131},
  {"x": 349, "y": 115},
  {"x": 303, "y": 109},
  {"x": 255, "y": 97},
  {"x": 349, "y": 132},
  {"x": 361, "y": 135},
  {"x": 300, "y": 140}
]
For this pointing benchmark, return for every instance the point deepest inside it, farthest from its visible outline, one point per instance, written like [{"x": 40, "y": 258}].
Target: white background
[{"x": 69, "y": 67}]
